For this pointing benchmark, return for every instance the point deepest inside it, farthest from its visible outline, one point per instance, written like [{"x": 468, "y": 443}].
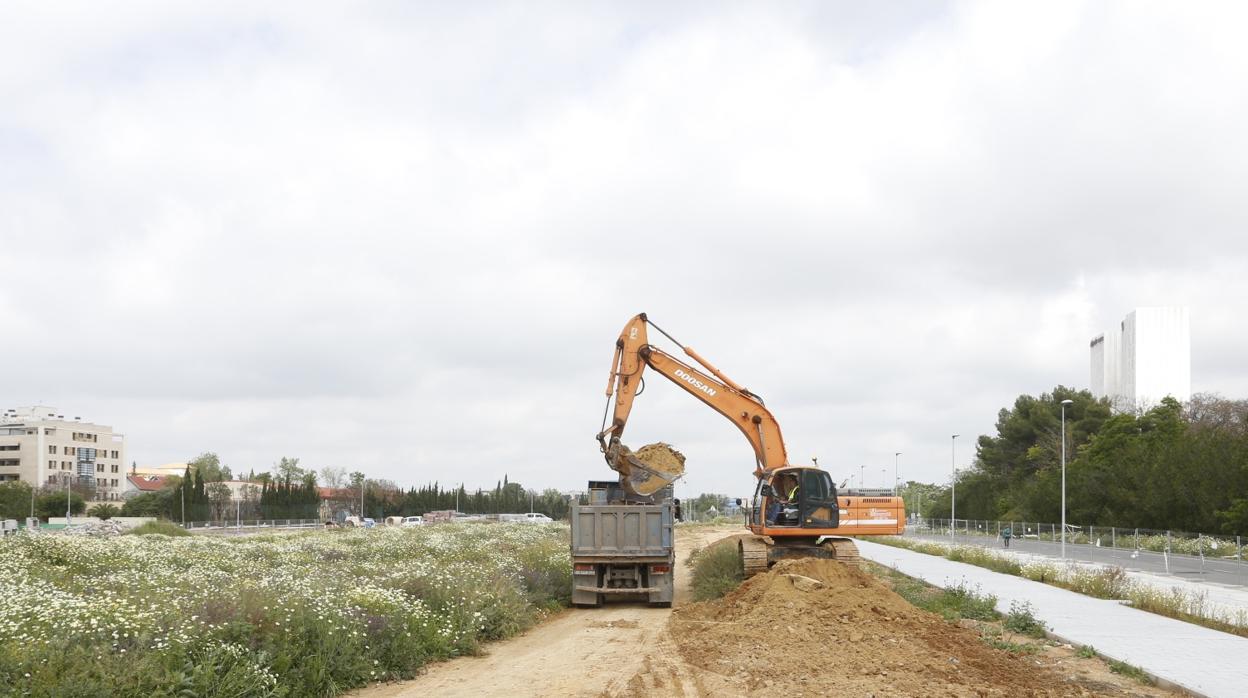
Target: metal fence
[{"x": 1176, "y": 553}]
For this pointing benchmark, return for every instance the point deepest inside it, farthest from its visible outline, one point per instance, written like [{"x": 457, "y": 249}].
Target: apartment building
[
  {"x": 1146, "y": 358},
  {"x": 41, "y": 446}
]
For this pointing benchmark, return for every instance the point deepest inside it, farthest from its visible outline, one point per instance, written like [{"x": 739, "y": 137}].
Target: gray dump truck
[{"x": 622, "y": 547}]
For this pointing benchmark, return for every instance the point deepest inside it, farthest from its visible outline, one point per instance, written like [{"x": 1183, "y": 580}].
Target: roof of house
[
  {"x": 337, "y": 493},
  {"x": 147, "y": 483}
]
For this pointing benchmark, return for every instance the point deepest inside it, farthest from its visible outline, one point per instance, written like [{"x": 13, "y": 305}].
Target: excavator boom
[{"x": 633, "y": 354}]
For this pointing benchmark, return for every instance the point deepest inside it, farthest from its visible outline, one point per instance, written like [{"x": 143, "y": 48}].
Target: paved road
[
  {"x": 1201, "y": 660},
  {"x": 1208, "y": 569}
]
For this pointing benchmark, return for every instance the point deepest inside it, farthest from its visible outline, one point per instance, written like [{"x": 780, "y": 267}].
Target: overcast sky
[{"x": 403, "y": 237}]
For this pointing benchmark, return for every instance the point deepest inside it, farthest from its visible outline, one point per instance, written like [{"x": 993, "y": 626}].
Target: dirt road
[{"x": 616, "y": 650}]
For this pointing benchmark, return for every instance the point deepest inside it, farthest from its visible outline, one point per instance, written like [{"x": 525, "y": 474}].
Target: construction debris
[{"x": 95, "y": 529}]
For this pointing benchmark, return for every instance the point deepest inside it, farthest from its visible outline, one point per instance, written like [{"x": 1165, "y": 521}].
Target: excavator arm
[{"x": 633, "y": 353}]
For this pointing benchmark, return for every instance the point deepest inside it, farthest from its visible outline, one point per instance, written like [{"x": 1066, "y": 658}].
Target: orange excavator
[{"x": 796, "y": 510}]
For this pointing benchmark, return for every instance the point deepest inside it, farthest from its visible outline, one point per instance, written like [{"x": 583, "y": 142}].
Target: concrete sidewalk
[{"x": 1201, "y": 660}]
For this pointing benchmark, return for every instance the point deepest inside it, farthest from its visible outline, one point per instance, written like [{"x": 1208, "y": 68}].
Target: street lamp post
[
  {"x": 896, "y": 472},
  {"x": 1064, "y": 404},
  {"x": 884, "y": 479},
  {"x": 953, "y": 493},
  {"x": 862, "y": 477},
  {"x": 69, "y": 479}
]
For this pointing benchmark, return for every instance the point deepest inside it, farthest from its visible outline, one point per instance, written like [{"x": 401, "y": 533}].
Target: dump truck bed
[
  {"x": 622, "y": 550},
  {"x": 628, "y": 530}
]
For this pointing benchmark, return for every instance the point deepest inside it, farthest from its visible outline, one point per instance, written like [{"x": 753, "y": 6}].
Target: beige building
[{"x": 40, "y": 446}]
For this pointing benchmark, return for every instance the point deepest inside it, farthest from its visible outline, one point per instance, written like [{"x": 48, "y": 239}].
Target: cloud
[{"x": 403, "y": 238}]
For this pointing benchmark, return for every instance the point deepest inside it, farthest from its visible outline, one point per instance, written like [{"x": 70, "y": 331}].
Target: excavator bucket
[{"x": 648, "y": 469}]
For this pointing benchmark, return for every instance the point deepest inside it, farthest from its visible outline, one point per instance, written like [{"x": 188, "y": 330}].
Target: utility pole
[
  {"x": 953, "y": 493},
  {"x": 862, "y": 477},
  {"x": 69, "y": 479},
  {"x": 1064, "y": 404},
  {"x": 896, "y": 472}
]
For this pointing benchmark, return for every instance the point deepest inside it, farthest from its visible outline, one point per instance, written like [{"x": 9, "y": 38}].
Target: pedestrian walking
[{"x": 1005, "y": 536}]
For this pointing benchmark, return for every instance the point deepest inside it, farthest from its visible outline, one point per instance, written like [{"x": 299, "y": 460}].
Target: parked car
[
  {"x": 535, "y": 517},
  {"x": 369, "y": 523},
  {"x": 413, "y": 521}
]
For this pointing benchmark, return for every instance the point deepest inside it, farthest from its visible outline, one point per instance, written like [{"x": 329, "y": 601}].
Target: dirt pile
[{"x": 817, "y": 627}]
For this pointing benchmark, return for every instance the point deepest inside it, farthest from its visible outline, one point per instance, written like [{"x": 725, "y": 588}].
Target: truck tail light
[
  {"x": 582, "y": 569},
  {"x": 660, "y": 569}
]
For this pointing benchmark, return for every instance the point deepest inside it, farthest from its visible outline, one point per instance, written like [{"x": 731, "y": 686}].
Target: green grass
[
  {"x": 953, "y": 604},
  {"x": 716, "y": 571},
  {"x": 1131, "y": 671},
  {"x": 994, "y": 637},
  {"x": 962, "y": 602},
  {"x": 163, "y": 528},
  {"x": 1086, "y": 652}
]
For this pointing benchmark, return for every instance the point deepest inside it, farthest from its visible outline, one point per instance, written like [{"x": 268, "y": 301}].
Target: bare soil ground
[
  {"x": 580, "y": 652},
  {"x": 779, "y": 634}
]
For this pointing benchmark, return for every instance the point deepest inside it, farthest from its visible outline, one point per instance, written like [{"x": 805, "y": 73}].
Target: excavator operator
[{"x": 785, "y": 495}]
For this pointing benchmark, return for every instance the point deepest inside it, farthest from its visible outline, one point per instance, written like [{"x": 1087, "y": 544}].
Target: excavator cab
[{"x": 796, "y": 497}]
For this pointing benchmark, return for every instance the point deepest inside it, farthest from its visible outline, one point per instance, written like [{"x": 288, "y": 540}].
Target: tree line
[
  {"x": 506, "y": 498},
  {"x": 1173, "y": 466}
]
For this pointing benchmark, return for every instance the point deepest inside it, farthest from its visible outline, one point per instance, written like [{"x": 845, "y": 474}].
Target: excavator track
[
  {"x": 844, "y": 551},
  {"x": 753, "y": 555}
]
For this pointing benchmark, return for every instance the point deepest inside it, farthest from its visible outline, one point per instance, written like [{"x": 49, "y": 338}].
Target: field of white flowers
[{"x": 308, "y": 614}]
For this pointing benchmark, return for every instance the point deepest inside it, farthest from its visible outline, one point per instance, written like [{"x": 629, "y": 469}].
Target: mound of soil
[{"x": 819, "y": 627}]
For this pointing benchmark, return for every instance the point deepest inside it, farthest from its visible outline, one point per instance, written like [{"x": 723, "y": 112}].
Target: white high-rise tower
[{"x": 1148, "y": 357}]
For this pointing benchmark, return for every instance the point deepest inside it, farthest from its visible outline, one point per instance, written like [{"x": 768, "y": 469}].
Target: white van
[
  {"x": 535, "y": 517},
  {"x": 413, "y": 521}
]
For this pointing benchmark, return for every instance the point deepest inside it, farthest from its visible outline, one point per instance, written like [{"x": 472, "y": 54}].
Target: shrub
[
  {"x": 966, "y": 602},
  {"x": 717, "y": 571},
  {"x": 1022, "y": 620},
  {"x": 103, "y": 512}
]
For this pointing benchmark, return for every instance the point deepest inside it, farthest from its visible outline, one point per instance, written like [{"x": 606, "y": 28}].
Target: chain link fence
[{"x": 1181, "y": 554}]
